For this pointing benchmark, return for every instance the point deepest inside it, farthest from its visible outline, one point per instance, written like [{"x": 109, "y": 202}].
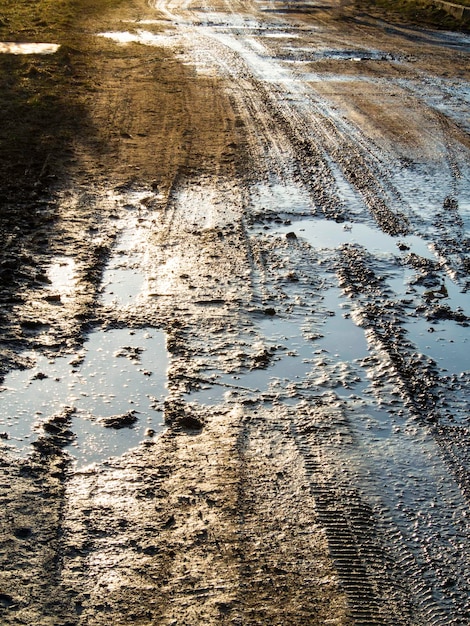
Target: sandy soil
[{"x": 283, "y": 190}]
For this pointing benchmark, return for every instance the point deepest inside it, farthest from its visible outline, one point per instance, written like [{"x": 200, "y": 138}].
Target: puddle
[
  {"x": 124, "y": 279},
  {"x": 358, "y": 55},
  {"x": 290, "y": 364},
  {"x": 342, "y": 338},
  {"x": 402, "y": 283},
  {"x": 283, "y": 370},
  {"x": 144, "y": 37},
  {"x": 119, "y": 371},
  {"x": 62, "y": 276},
  {"x": 10, "y": 47},
  {"x": 446, "y": 342},
  {"x": 321, "y": 233},
  {"x": 294, "y": 360},
  {"x": 121, "y": 285},
  {"x": 350, "y": 55}
]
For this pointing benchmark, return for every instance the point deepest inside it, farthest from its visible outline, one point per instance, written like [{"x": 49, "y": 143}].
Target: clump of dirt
[
  {"x": 180, "y": 415},
  {"x": 120, "y": 421}
]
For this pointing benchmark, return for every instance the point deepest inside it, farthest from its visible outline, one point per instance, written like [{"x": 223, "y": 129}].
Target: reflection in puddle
[
  {"x": 446, "y": 342},
  {"x": 403, "y": 283},
  {"x": 62, "y": 276},
  {"x": 321, "y": 233},
  {"x": 294, "y": 361},
  {"x": 284, "y": 370},
  {"x": 342, "y": 338},
  {"x": 122, "y": 285},
  {"x": 144, "y": 37},
  {"x": 124, "y": 277},
  {"x": 10, "y": 47},
  {"x": 119, "y": 371},
  {"x": 400, "y": 282}
]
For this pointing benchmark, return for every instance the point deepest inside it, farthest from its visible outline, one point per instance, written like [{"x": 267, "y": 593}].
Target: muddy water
[
  {"x": 119, "y": 371},
  {"x": 124, "y": 277}
]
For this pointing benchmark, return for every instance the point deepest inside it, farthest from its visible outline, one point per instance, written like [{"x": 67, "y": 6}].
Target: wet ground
[{"x": 235, "y": 358}]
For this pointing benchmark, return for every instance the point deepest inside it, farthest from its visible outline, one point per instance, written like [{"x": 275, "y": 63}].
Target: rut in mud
[{"x": 235, "y": 339}]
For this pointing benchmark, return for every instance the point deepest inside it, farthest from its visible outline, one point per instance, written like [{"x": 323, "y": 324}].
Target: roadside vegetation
[{"x": 416, "y": 12}]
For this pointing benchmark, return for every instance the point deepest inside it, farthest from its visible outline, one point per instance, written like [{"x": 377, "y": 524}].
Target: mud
[{"x": 235, "y": 325}]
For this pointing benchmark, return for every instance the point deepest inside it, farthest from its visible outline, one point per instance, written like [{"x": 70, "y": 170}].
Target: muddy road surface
[{"x": 235, "y": 336}]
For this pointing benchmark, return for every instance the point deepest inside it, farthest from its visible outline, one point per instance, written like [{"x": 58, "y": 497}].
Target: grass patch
[{"x": 417, "y": 12}]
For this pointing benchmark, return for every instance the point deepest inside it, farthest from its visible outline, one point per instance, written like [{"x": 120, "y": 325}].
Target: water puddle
[
  {"x": 284, "y": 370},
  {"x": 62, "y": 277},
  {"x": 295, "y": 354},
  {"x": 322, "y": 233},
  {"x": 119, "y": 373},
  {"x": 404, "y": 283},
  {"x": 10, "y": 47},
  {"x": 342, "y": 339},
  {"x": 123, "y": 280},
  {"x": 356, "y": 55},
  {"x": 143, "y": 37},
  {"x": 346, "y": 55},
  {"x": 446, "y": 342}
]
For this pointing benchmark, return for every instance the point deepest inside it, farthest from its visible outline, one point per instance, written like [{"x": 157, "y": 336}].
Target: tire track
[{"x": 350, "y": 524}]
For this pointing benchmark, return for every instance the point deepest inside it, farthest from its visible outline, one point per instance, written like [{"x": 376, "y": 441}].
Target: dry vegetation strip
[{"x": 424, "y": 13}]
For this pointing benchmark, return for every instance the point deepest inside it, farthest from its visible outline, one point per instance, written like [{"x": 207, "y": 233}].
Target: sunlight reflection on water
[
  {"x": 117, "y": 372},
  {"x": 11, "y": 47}
]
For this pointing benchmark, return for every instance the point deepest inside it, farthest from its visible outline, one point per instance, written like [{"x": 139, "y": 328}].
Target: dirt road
[{"x": 235, "y": 337}]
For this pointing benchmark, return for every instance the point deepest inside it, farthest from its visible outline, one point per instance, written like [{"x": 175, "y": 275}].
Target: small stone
[
  {"x": 53, "y": 297},
  {"x": 170, "y": 522},
  {"x": 23, "y": 532},
  {"x": 6, "y": 600},
  {"x": 40, "y": 376},
  {"x": 189, "y": 422}
]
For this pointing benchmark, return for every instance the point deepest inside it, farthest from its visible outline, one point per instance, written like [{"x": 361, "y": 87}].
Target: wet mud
[{"x": 234, "y": 360}]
